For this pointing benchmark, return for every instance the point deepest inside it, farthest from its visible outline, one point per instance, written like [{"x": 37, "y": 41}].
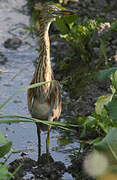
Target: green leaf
[
  {"x": 3, "y": 140},
  {"x": 5, "y": 149},
  {"x": 103, "y": 49},
  {"x": 104, "y": 126},
  {"x": 101, "y": 102},
  {"x": 70, "y": 19},
  {"x": 62, "y": 26},
  {"x": 4, "y": 174},
  {"x": 94, "y": 141},
  {"x": 90, "y": 121},
  {"x": 114, "y": 26},
  {"x": 80, "y": 120},
  {"x": 114, "y": 80},
  {"x": 112, "y": 89},
  {"x": 112, "y": 108},
  {"x": 109, "y": 145},
  {"x": 103, "y": 75}
]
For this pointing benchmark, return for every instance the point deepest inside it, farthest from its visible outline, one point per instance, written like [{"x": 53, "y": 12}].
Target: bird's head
[
  {"x": 54, "y": 10},
  {"x": 51, "y": 11}
]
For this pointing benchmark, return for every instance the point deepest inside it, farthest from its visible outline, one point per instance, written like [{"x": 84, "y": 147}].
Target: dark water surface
[{"x": 17, "y": 72}]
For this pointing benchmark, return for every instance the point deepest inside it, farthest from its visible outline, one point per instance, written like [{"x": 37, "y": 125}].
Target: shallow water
[{"x": 17, "y": 72}]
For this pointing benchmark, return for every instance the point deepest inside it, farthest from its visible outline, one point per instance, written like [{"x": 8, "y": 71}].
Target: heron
[{"x": 44, "y": 102}]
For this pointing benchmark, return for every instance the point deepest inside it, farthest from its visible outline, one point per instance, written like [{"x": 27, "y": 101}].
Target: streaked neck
[{"x": 44, "y": 71}]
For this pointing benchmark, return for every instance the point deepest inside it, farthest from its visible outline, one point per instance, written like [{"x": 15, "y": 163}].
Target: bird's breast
[{"x": 40, "y": 111}]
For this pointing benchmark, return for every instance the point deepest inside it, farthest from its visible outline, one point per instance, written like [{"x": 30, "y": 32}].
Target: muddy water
[{"x": 17, "y": 69}]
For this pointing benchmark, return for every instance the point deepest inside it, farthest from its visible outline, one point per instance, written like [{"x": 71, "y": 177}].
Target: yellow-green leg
[
  {"x": 39, "y": 140},
  {"x": 48, "y": 141}
]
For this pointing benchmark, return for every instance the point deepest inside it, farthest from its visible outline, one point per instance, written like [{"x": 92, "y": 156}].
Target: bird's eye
[{"x": 51, "y": 11}]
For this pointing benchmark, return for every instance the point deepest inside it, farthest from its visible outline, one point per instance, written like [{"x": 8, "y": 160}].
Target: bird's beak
[{"x": 65, "y": 12}]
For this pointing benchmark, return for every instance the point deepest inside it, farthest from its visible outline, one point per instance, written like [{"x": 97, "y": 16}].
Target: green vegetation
[
  {"x": 105, "y": 116},
  {"x": 82, "y": 61},
  {"x": 78, "y": 35},
  {"x": 81, "y": 36},
  {"x": 5, "y": 152},
  {"x": 102, "y": 122},
  {"x": 5, "y": 147},
  {"x": 98, "y": 131}
]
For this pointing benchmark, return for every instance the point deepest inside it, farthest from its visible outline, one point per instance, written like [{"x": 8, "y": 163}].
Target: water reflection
[
  {"x": 45, "y": 167},
  {"x": 3, "y": 59}
]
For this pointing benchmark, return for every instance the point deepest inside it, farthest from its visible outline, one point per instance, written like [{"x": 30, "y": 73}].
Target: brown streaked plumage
[{"x": 44, "y": 102}]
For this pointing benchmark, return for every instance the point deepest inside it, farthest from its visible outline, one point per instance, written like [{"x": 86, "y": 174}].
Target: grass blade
[
  {"x": 22, "y": 89},
  {"x": 61, "y": 125},
  {"x": 14, "y": 121},
  {"x": 103, "y": 49}
]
